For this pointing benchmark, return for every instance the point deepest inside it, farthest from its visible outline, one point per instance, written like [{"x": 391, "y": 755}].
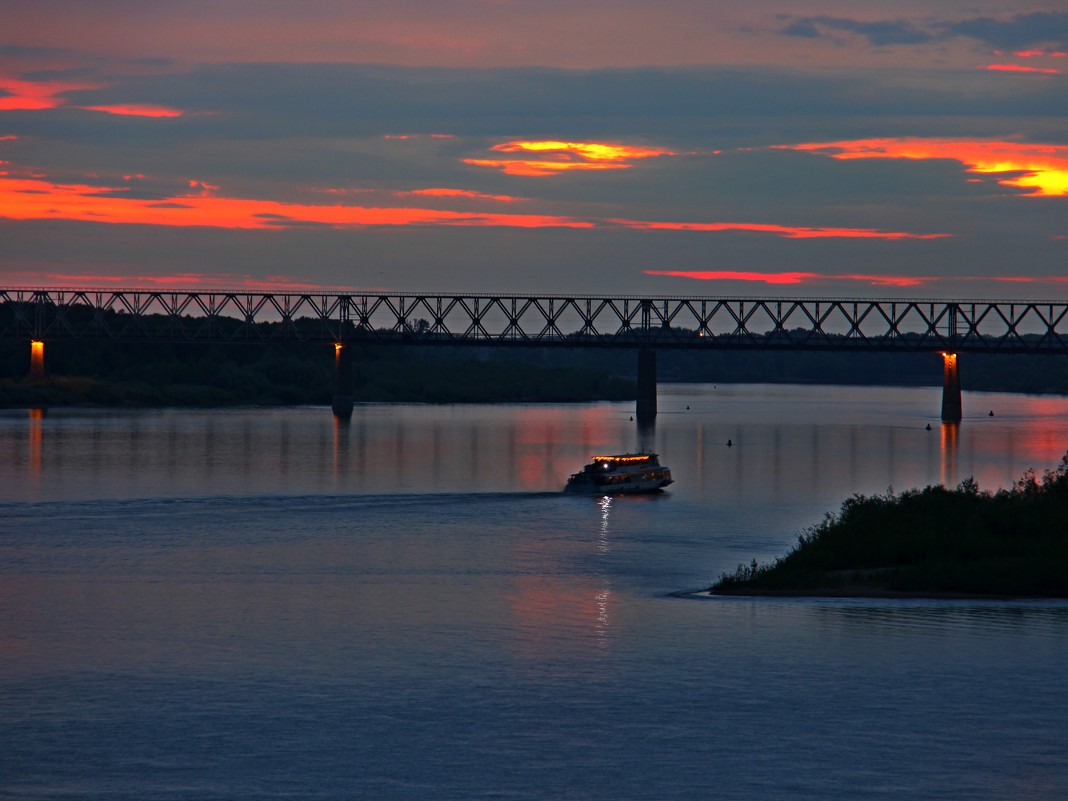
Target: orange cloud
[
  {"x": 787, "y": 231},
  {"x": 443, "y": 192},
  {"x": 34, "y": 198},
  {"x": 566, "y": 156},
  {"x": 136, "y": 110},
  {"x": 1041, "y": 169},
  {"x": 1020, "y": 68},
  {"x": 591, "y": 151},
  {"x": 537, "y": 169}
]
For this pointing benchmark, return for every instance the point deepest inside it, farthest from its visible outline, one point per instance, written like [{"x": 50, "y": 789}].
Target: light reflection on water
[
  {"x": 266, "y": 602},
  {"x": 786, "y": 442}
]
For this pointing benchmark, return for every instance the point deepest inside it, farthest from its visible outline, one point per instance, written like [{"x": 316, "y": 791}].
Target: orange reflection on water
[
  {"x": 950, "y": 432},
  {"x": 550, "y": 610},
  {"x": 538, "y": 433},
  {"x": 1044, "y": 445},
  {"x": 34, "y": 443},
  {"x": 341, "y": 446}
]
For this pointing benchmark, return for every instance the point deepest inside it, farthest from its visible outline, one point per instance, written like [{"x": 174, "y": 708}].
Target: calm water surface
[{"x": 260, "y": 603}]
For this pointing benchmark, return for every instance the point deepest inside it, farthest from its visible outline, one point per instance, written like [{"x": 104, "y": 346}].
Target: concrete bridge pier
[
  {"x": 646, "y": 409},
  {"x": 951, "y": 405},
  {"x": 342, "y": 404},
  {"x": 37, "y": 362}
]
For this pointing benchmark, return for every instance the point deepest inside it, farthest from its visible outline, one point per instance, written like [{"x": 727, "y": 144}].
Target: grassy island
[{"x": 931, "y": 542}]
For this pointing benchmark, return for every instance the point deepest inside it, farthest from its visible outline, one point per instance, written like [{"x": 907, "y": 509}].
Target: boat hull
[{"x": 634, "y": 488}]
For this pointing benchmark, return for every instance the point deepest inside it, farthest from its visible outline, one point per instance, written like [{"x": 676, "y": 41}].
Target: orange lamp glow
[{"x": 37, "y": 366}]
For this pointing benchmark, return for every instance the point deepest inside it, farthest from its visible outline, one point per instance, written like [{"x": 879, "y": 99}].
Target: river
[{"x": 264, "y": 603}]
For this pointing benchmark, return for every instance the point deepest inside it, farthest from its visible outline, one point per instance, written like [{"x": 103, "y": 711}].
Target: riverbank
[
  {"x": 930, "y": 543},
  {"x": 285, "y": 374}
]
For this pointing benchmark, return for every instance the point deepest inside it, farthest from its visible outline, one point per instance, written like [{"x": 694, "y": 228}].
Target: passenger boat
[{"x": 622, "y": 474}]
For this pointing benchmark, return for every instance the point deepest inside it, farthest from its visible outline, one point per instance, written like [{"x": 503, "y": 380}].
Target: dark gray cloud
[
  {"x": 275, "y": 101},
  {"x": 887, "y": 32},
  {"x": 1020, "y": 30}
]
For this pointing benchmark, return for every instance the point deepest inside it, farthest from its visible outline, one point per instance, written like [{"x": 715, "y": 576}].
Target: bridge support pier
[
  {"x": 646, "y": 409},
  {"x": 951, "y": 405},
  {"x": 37, "y": 362},
  {"x": 342, "y": 405}
]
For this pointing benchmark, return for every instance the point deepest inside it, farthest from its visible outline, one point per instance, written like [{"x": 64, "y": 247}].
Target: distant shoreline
[{"x": 861, "y": 591}]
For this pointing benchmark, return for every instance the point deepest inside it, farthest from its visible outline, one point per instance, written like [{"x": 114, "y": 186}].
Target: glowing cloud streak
[
  {"x": 136, "y": 110},
  {"x": 37, "y": 95},
  {"x": 461, "y": 193},
  {"x": 32, "y": 198},
  {"x": 174, "y": 281},
  {"x": 28, "y": 199},
  {"x": 1020, "y": 68},
  {"x": 1041, "y": 169},
  {"x": 787, "y": 231},
  {"x": 566, "y": 156},
  {"x": 802, "y": 278},
  {"x": 794, "y": 278}
]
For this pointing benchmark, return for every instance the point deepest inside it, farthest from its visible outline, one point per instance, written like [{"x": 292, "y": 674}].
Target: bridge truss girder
[{"x": 536, "y": 320}]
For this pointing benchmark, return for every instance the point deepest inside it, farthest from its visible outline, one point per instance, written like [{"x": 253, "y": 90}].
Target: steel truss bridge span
[{"x": 536, "y": 320}]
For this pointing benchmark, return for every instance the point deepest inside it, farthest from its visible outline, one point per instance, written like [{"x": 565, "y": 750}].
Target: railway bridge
[{"x": 644, "y": 324}]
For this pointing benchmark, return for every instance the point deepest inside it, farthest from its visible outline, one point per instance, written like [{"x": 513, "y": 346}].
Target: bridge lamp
[{"x": 37, "y": 359}]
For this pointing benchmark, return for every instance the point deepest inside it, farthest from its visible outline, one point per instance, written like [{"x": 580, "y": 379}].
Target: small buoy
[
  {"x": 928, "y": 426},
  {"x": 991, "y": 412},
  {"x": 730, "y": 444},
  {"x": 632, "y": 418},
  {"x": 688, "y": 409}
]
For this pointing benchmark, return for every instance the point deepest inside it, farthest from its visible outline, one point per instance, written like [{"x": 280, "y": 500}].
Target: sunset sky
[{"x": 677, "y": 147}]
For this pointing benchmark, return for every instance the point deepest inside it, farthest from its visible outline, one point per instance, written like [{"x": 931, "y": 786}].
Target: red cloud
[
  {"x": 1019, "y": 68},
  {"x": 794, "y": 277},
  {"x": 136, "y": 110},
  {"x": 36, "y": 95},
  {"x": 901, "y": 281},
  {"x": 201, "y": 281},
  {"x": 787, "y": 231},
  {"x": 736, "y": 275}
]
